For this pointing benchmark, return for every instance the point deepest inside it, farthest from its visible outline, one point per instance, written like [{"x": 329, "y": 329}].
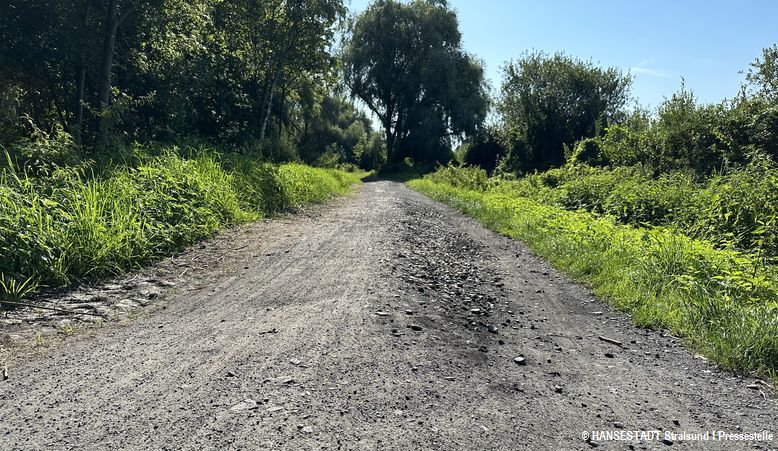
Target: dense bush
[
  {"x": 683, "y": 135},
  {"x": 467, "y": 177},
  {"x": 72, "y": 225},
  {"x": 548, "y": 102},
  {"x": 737, "y": 209}
]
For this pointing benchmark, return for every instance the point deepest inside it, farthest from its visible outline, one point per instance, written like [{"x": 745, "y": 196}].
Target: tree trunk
[
  {"x": 80, "y": 82},
  {"x": 113, "y": 20},
  {"x": 81, "y": 76},
  {"x": 389, "y": 141},
  {"x": 263, "y": 127}
]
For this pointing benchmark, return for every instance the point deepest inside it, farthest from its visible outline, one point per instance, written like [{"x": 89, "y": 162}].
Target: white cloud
[{"x": 642, "y": 69}]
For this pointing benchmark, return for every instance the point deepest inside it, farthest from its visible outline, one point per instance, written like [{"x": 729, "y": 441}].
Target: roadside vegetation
[
  {"x": 670, "y": 215},
  {"x": 131, "y": 128},
  {"x": 723, "y": 301},
  {"x": 79, "y": 222}
]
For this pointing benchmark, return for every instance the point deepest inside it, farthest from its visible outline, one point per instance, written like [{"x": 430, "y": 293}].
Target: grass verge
[
  {"x": 72, "y": 225},
  {"x": 722, "y": 302}
]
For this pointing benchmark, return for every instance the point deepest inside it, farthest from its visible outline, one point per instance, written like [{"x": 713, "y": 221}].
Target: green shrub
[
  {"x": 740, "y": 208},
  {"x": 68, "y": 226},
  {"x": 589, "y": 152},
  {"x": 469, "y": 177}
]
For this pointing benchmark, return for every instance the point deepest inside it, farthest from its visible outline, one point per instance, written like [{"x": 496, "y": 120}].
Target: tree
[
  {"x": 484, "y": 150},
  {"x": 549, "y": 102},
  {"x": 406, "y": 63},
  {"x": 763, "y": 73}
]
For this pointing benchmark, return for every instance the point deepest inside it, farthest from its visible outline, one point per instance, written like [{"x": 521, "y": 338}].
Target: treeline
[
  {"x": 88, "y": 77},
  {"x": 555, "y": 109}
]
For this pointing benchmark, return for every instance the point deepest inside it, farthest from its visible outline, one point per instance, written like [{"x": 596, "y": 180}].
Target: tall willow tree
[{"x": 406, "y": 63}]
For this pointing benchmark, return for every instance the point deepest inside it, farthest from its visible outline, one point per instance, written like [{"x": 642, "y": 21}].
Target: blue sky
[{"x": 706, "y": 42}]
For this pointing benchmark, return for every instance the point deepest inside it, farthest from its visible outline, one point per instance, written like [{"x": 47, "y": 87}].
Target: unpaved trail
[{"x": 383, "y": 321}]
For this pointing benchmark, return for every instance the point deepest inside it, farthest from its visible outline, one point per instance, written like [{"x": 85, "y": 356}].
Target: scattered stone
[
  {"x": 491, "y": 328},
  {"x": 295, "y": 361},
  {"x": 409, "y": 312},
  {"x": 609, "y": 340},
  {"x": 609, "y": 355},
  {"x": 618, "y": 424},
  {"x": 520, "y": 361},
  {"x": 231, "y": 374},
  {"x": 557, "y": 389},
  {"x": 676, "y": 422},
  {"x": 307, "y": 430},
  {"x": 5, "y": 373},
  {"x": 753, "y": 386},
  {"x": 667, "y": 441},
  {"x": 415, "y": 327},
  {"x": 274, "y": 409},
  {"x": 381, "y": 313},
  {"x": 246, "y": 404}
]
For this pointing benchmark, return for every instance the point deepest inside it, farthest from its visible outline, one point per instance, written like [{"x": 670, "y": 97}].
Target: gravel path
[{"x": 381, "y": 321}]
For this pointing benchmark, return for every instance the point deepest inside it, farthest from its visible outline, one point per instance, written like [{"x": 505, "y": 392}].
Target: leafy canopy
[
  {"x": 548, "y": 102},
  {"x": 406, "y": 63}
]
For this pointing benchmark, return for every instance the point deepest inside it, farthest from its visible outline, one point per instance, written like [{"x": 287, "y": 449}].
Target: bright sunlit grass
[
  {"x": 724, "y": 303},
  {"x": 68, "y": 227}
]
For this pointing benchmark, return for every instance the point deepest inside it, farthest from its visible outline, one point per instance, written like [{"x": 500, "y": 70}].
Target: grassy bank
[
  {"x": 723, "y": 302},
  {"x": 73, "y": 225}
]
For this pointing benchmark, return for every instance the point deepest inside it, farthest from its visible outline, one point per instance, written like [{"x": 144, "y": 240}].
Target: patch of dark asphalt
[{"x": 383, "y": 321}]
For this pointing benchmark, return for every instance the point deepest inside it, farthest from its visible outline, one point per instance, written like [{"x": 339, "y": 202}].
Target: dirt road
[{"x": 382, "y": 321}]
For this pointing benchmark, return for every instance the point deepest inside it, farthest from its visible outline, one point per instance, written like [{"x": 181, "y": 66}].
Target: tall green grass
[
  {"x": 72, "y": 225},
  {"x": 724, "y": 302},
  {"x": 737, "y": 209}
]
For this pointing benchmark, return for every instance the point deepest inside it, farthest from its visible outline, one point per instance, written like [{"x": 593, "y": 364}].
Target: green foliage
[
  {"x": 113, "y": 72},
  {"x": 736, "y": 209},
  {"x": 686, "y": 136},
  {"x": 485, "y": 151},
  {"x": 61, "y": 229},
  {"x": 740, "y": 209},
  {"x": 763, "y": 73},
  {"x": 406, "y": 63},
  {"x": 589, "y": 152},
  {"x": 549, "y": 102},
  {"x": 335, "y": 133},
  {"x": 724, "y": 302},
  {"x": 466, "y": 177},
  {"x": 12, "y": 291}
]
